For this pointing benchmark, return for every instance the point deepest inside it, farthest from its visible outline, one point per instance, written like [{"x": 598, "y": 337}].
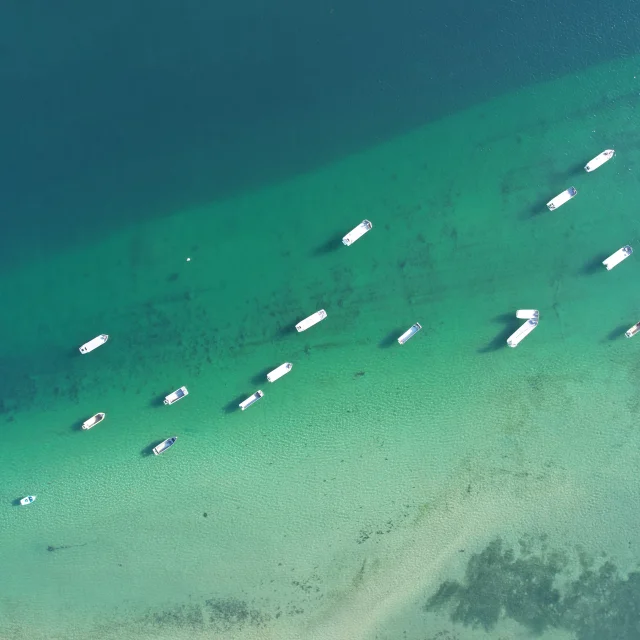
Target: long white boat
[
  {"x": 357, "y": 232},
  {"x": 245, "y": 404},
  {"x": 27, "y": 500},
  {"x": 527, "y": 314},
  {"x": 178, "y": 394},
  {"x": 599, "y": 160},
  {"x": 98, "y": 341},
  {"x": 93, "y": 421},
  {"x": 163, "y": 446},
  {"x": 561, "y": 198},
  {"x": 520, "y": 334},
  {"x": 409, "y": 333},
  {"x": 632, "y": 332},
  {"x": 314, "y": 318},
  {"x": 280, "y": 371},
  {"x": 616, "y": 258}
]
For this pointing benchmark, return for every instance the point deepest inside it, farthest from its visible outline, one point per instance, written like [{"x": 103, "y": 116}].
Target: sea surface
[{"x": 180, "y": 176}]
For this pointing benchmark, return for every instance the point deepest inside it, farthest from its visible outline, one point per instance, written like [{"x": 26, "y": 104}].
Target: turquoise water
[{"x": 451, "y": 488}]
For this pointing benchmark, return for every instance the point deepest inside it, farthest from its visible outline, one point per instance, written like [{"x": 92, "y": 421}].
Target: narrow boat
[
  {"x": 616, "y": 258},
  {"x": 163, "y": 446},
  {"x": 178, "y": 394},
  {"x": 98, "y": 341},
  {"x": 527, "y": 314},
  {"x": 520, "y": 334},
  {"x": 245, "y": 404},
  {"x": 27, "y": 500},
  {"x": 599, "y": 160},
  {"x": 357, "y": 232},
  {"x": 632, "y": 332},
  {"x": 409, "y": 333},
  {"x": 561, "y": 198},
  {"x": 280, "y": 371},
  {"x": 314, "y": 318},
  {"x": 94, "y": 420}
]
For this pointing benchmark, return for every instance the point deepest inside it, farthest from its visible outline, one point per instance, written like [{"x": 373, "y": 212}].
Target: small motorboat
[
  {"x": 163, "y": 446},
  {"x": 599, "y": 160},
  {"x": 314, "y": 318},
  {"x": 252, "y": 399},
  {"x": 616, "y": 258},
  {"x": 98, "y": 341},
  {"x": 561, "y": 198},
  {"x": 280, "y": 371},
  {"x": 94, "y": 420},
  {"x": 409, "y": 333},
  {"x": 357, "y": 232},
  {"x": 178, "y": 394},
  {"x": 27, "y": 500}
]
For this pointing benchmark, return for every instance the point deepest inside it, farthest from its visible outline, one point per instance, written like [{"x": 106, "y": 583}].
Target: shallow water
[{"x": 451, "y": 488}]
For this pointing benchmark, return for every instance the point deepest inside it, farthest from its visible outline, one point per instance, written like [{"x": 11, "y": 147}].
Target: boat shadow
[
  {"x": 232, "y": 406},
  {"x": 148, "y": 450},
  {"x": 157, "y": 401},
  {"x": 594, "y": 265},
  {"x": 511, "y": 324},
  {"x": 77, "y": 425},
  {"x": 16, "y": 502},
  {"x": 285, "y": 331},
  {"x": 391, "y": 338},
  {"x": 571, "y": 172},
  {"x": 618, "y": 332},
  {"x": 261, "y": 377},
  {"x": 331, "y": 245},
  {"x": 534, "y": 210}
]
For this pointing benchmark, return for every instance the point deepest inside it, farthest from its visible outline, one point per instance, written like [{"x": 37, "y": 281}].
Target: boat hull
[
  {"x": 280, "y": 371},
  {"x": 98, "y": 341},
  {"x": 599, "y": 160},
  {"x": 409, "y": 333},
  {"x": 178, "y": 394},
  {"x": 616, "y": 258},
  {"x": 163, "y": 446},
  {"x": 314, "y": 318},
  {"x": 561, "y": 198},
  {"x": 93, "y": 421},
  {"x": 357, "y": 233},
  {"x": 245, "y": 404}
]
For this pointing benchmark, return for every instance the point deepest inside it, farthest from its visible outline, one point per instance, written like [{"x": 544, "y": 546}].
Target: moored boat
[
  {"x": 357, "y": 232},
  {"x": 245, "y": 404},
  {"x": 280, "y": 371},
  {"x": 520, "y": 334},
  {"x": 94, "y": 420},
  {"x": 98, "y": 341},
  {"x": 409, "y": 333},
  {"x": 527, "y": 314},
  {"x": 27, "y": 500},
  {"x": 632, "y": 332},
  {"x": 561, "y": 198},
  {"x": 163, "y": 446},
  {"x": 178, "y": 394},
  {"x": 599, "y": 160},
  {"x": 314, "y": 318},
  {"x": 616, "y": 258}
]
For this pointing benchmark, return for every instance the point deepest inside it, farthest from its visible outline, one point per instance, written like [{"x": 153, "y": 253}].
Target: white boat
[
  {"x": 94, "y": 420},
  {"x": 27, "y": 500},
  {"x": 409, "y": 333},
  {"x": 178, "y": 394},
  {"x": 357, "y": 233},
  {"x": 616, "y": 258},
  {"x": 314, "y": 318},
  {"x": 561, "y": 198},
  {"x": 632, "y": 332},
  {"x": 599, "y": 160},
  {"x": 527, "y": 314},
  {"x": 98, "y": 341},
  {"x": 280, "y": 371},
  {"x": 520, "y": 334},
  {"x": 163, "y": 446},
  {"x": 245, "y": 404}
]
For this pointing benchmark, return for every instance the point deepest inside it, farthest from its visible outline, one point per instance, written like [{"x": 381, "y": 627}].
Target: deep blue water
[{"x": 132, "y": 108}]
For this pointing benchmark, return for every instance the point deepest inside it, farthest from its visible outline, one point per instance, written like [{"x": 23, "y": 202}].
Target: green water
[{"x": 338, "y": 505}]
